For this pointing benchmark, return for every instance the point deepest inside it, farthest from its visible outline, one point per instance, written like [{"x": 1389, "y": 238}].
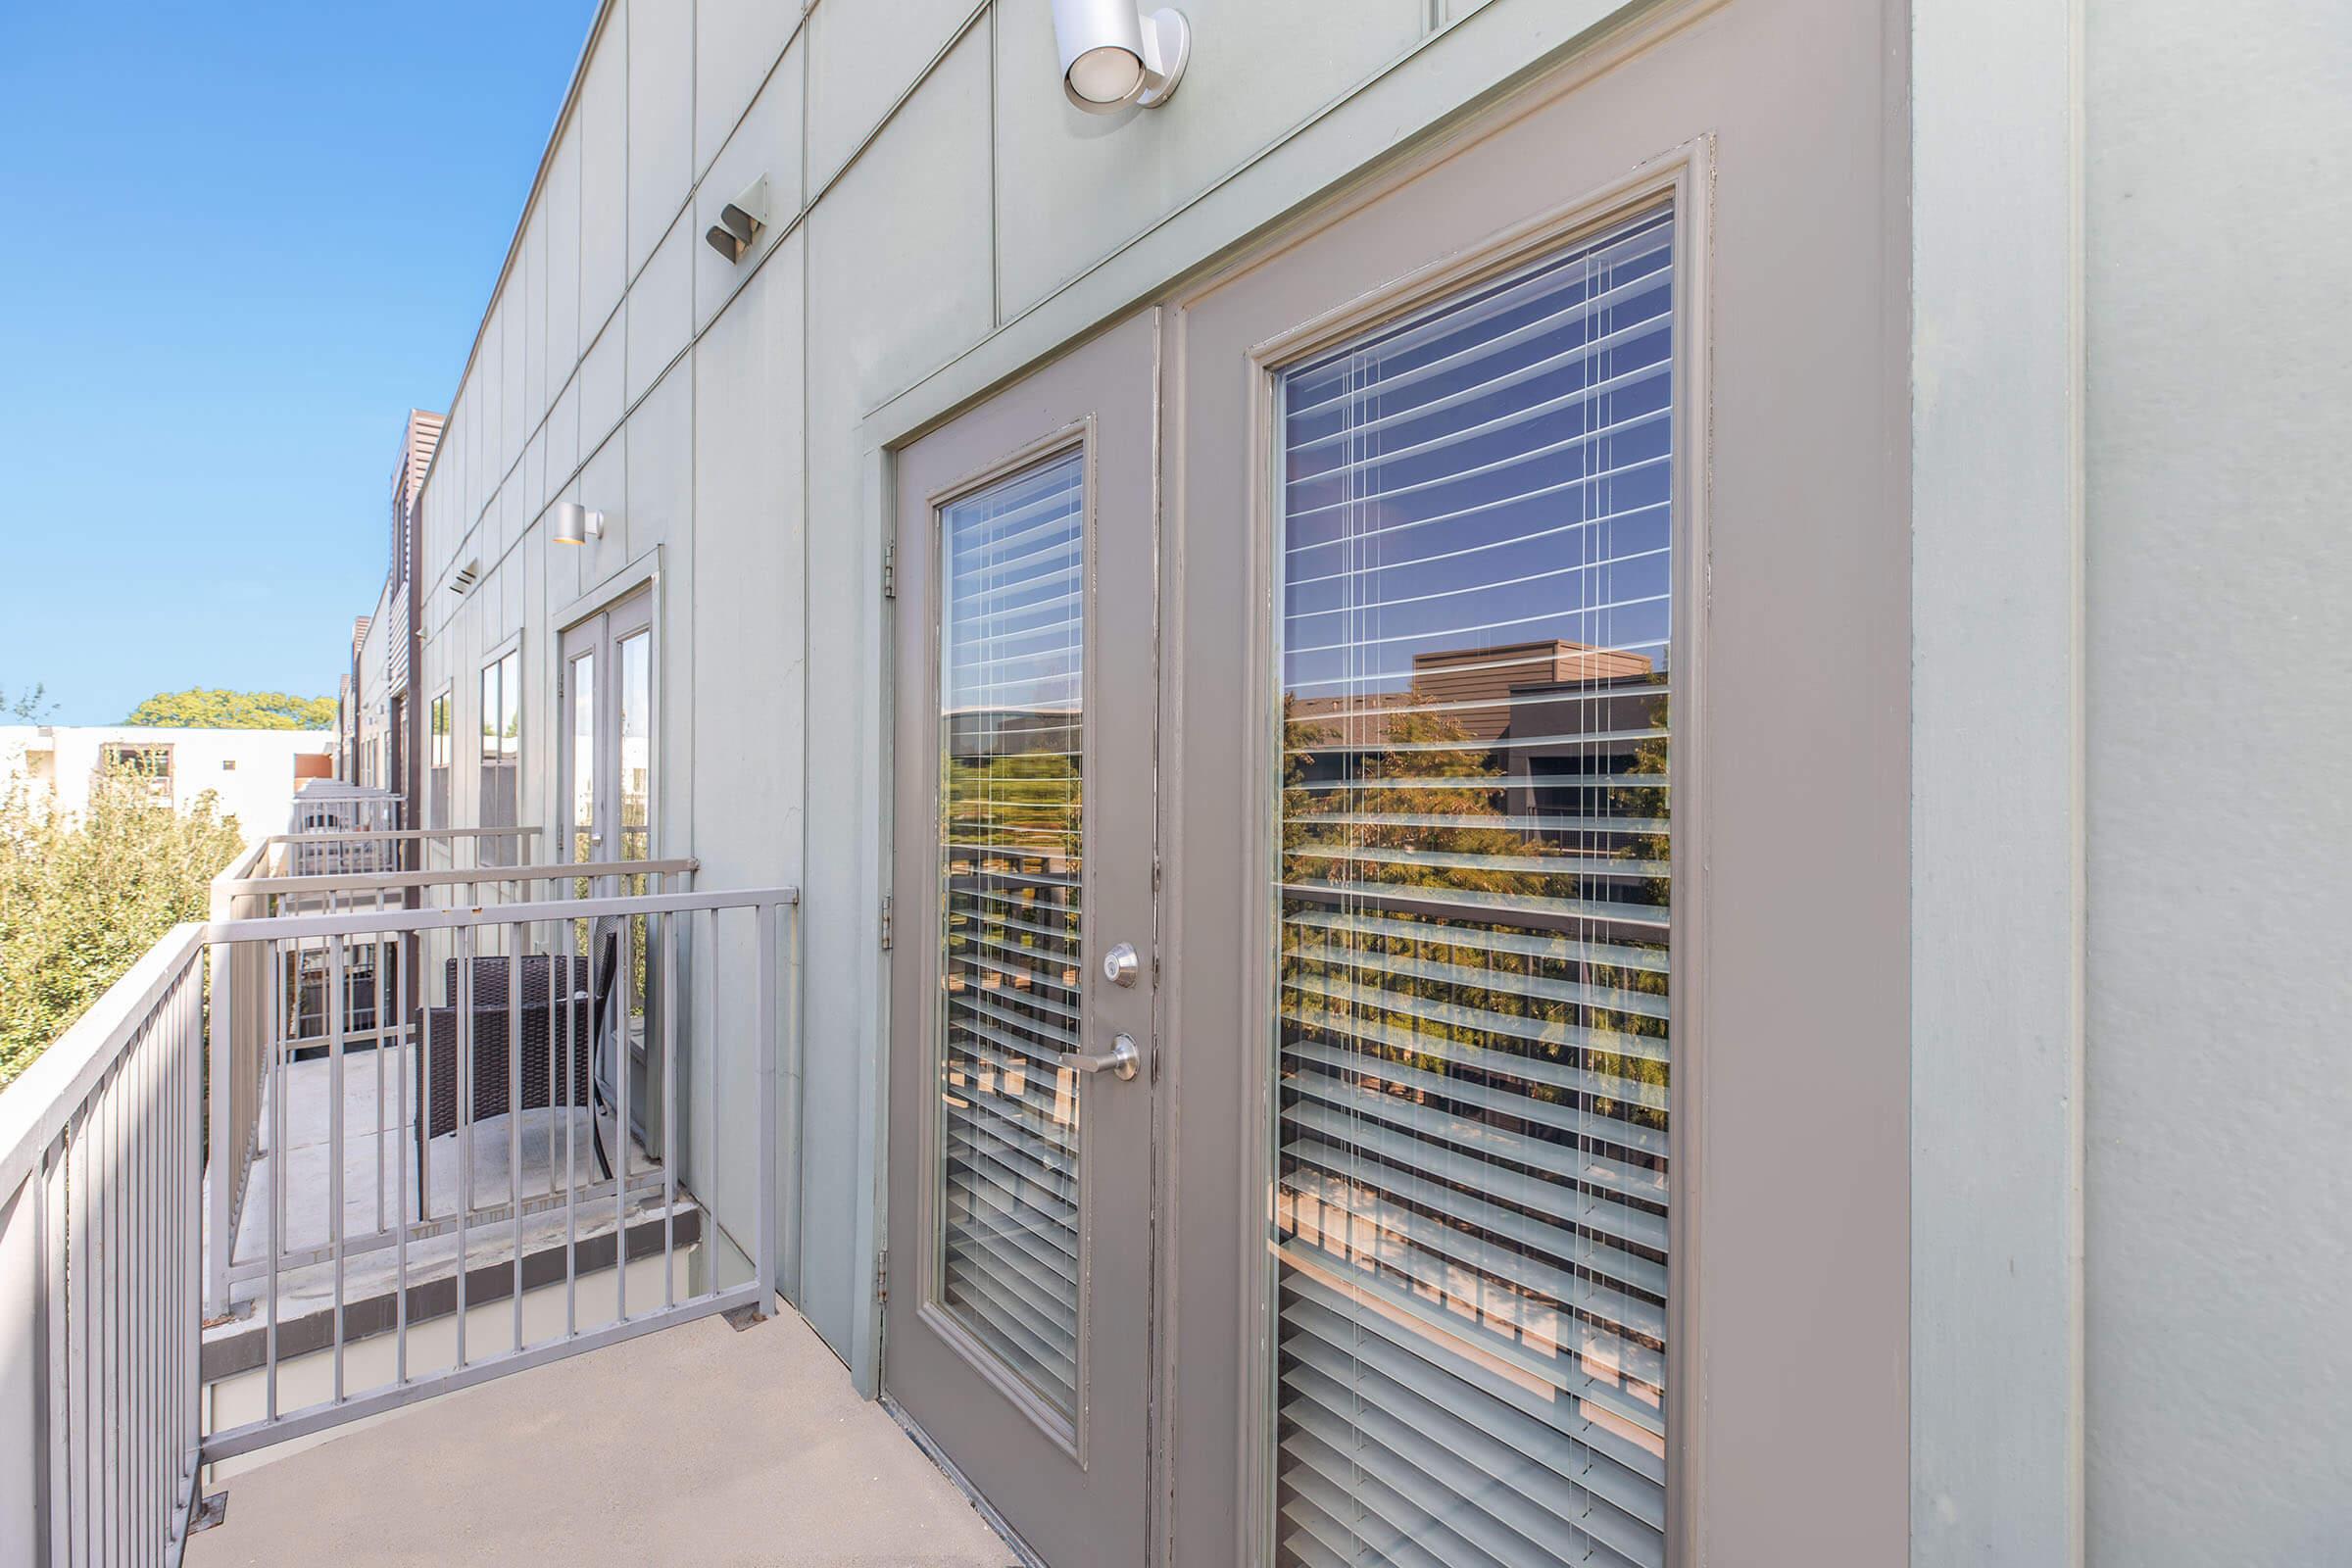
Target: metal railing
[
  {"x": 571, "y": 1024},
  {"x": 245, "y": 1036},
  {"x": 323, "y": 804},
  {"x": 268, "y": 879},
  {"x": 338, "y": 852},
  {"x": 100, "y": 1231},
  {"x": 117, "y": 1389}
]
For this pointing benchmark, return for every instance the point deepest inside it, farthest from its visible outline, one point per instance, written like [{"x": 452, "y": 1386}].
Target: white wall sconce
[
  {"x": 576, "y": 524},
  {"x": 739, "y": 221},
  {"x": 1113, "y": 55}
]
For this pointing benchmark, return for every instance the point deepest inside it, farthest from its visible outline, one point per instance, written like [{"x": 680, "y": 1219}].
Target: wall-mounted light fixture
[
  {"x": 1112, "y": 54},
  {"x": 576, "y": 524},
  {"x": 739, "y": 221}
]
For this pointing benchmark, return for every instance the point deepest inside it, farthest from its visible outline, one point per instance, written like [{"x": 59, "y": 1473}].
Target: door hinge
[
  {"x": 882, "y": 1277},
  {"x": 886, "y": 922},
  {"x": 890, "y": 569}
]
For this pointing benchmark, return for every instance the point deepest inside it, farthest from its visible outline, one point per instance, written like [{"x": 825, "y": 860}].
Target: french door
[
  {"x": 606, "y": 747},
  {"x": 1516, "y": 1170},
  {"x": 1022, "y": 1047},
  {"x": 607, "y": 751},
  {"x": 1534, "y": 835}
]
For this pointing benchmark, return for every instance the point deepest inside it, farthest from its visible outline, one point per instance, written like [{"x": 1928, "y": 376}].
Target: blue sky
[{"x": 238, "y": 243}]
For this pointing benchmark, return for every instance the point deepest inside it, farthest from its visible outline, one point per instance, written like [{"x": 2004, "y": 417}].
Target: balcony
[
  {"x": 727, "y": 1446},
  {"x": 375, "y": 1134}
]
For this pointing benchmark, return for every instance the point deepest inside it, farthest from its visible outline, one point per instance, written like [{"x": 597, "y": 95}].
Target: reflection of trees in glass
[
  {"x": 1006, "y": 815},
  {"x": 1418, "y": 805},
  {"x": 1548, "y": 980}
]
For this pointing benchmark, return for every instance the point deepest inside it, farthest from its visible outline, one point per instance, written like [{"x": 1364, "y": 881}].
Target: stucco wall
[
  {"x": 939, "y": 216},
  {"x": 2220, "y": 829}
]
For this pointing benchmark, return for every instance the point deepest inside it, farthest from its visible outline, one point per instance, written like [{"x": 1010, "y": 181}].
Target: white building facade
[
  {"x": 251, "y": 775},
  {"x": 1928, "y": 532}
]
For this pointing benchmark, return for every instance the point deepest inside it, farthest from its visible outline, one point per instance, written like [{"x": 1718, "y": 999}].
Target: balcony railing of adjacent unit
[
  {"x": 447, "y": 1142},
  {"x": 334, "y": 826},
  {"x": 324, "y": 867}
]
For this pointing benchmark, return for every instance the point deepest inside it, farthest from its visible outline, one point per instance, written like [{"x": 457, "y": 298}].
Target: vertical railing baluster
[
  {"x": 424, "y": 1049},
  {"x": 670, "y": 1109},
  {"x": 574, "y": 1039},
  {"x": 763, "y": 1056},
  {"x": 147, "y": 1503},
  {"x": 336, "y": 976},
  {"x": 465, "y": 1108},
  {"x": 117, "y": 1333},
  {"x": 517, "y": 936},
  {"x": 224, "y": 1157},
  {"x": 624, "y": 972},
  {"x": 189, "y": 1318},
  {"x": 277, "y": 1156},
  {"x": 130, "y": 1278},
  {"x": 558, "y": 995},
  {"x": 380, "y": 1018},
  {"x": 81, "y": 1405},
  {"x": 706, "y": 922},
  {"x": 412, "y": 1053},
  {"x": 56, "y": 1242}
]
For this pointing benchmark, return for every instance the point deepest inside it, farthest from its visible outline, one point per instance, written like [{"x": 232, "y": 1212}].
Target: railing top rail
[
  {"x": 247, "y": 858},
  {"x": 35, "y": 1109},
  {"x": 372, "y": 922},
  {"x": 341, "y": 881},
  {"x": 378, "y": 834}
]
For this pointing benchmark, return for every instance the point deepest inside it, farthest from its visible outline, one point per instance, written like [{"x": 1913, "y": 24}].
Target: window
[
  {"x": 1470, "y": 1140},
  {"x": 1011, "y": 837},
  {"x": 502, "y": 753},
  {"x": 149, "y": 764},
  {"x": 438, "y": 744}
]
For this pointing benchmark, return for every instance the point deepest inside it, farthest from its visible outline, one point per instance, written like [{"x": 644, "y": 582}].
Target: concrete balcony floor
[{"x": 696, "y": 1443}]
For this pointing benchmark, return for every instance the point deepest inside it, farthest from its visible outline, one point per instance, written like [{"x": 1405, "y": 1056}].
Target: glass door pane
[
  {"x": 635, "y": 654},
  {"x": 581, "y": 828},
  {"x": 1011, "y": 866},
  {"x": 1474, "y": 891}
]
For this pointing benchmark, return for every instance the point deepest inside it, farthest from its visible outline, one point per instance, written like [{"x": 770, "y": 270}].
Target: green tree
[
  {"x": 82, "y": 898},
  {"x": 27, "y": 708},
  {"x": 202, "y": 707}
]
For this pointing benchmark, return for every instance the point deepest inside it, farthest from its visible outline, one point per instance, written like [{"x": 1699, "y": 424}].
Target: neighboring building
[
  {"x": 376, "y": 705},
  {"x": 252, "y": 774},
  {"x": 350, "y": 689},
  {"x": 1479, "y": 772}
]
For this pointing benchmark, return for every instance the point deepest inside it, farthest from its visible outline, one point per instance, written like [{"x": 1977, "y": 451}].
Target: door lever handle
[{"x": 1121, "y": 1060}]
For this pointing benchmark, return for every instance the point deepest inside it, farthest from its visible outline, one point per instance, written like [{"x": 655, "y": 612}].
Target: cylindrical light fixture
[
  {"x": 1113, "y": 55},
  {"x": 576, "y": 524}
]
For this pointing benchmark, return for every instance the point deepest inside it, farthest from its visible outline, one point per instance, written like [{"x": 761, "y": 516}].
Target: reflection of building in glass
[{"x": 1561, "y": 721}]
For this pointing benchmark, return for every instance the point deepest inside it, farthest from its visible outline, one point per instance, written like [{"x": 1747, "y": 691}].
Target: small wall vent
[{"x": 467, "y": 576}]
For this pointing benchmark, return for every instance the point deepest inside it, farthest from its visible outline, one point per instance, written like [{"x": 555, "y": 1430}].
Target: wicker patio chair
[{"x": 576, "y": 1026}]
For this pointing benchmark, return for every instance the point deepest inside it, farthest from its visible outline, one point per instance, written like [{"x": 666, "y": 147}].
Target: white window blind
[
  {"x": 1013, "y": 639},
  {"x": 1471, "y": 1129}
]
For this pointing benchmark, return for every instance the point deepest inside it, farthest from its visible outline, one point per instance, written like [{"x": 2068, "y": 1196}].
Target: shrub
[{"x": 82, "y": 898}]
